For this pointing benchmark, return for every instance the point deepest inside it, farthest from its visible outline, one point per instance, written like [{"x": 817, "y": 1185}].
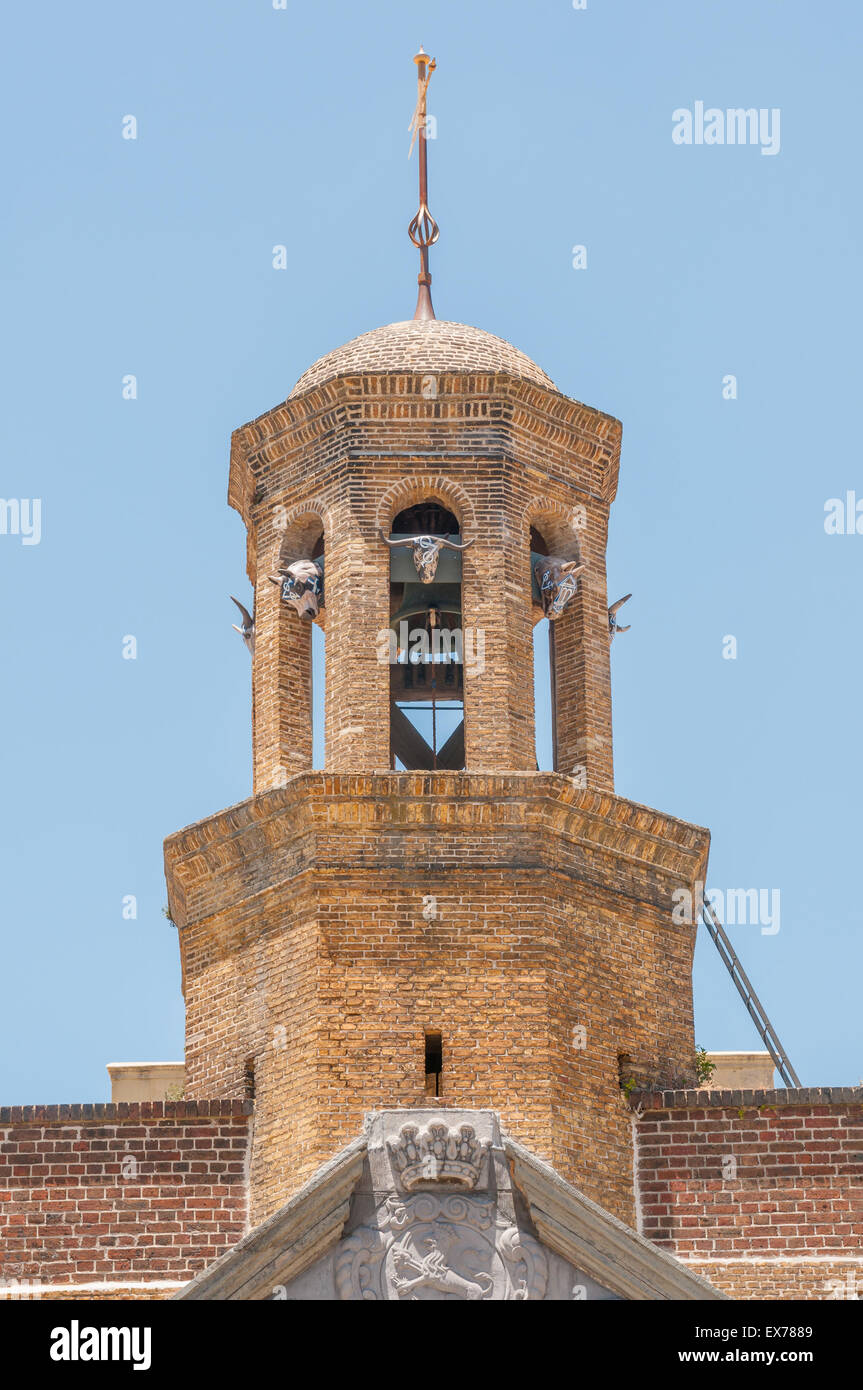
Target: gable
[{"x": 439, "y": 1205}]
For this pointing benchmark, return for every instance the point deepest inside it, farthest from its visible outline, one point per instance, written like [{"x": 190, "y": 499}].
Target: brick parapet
[
  {"x": 760, "y": 1190},
  {"x": 535, "y": 820},
  {"x": 120, "y": 1200},
  {"x": 123, "y": 1111},
  {"x": 720, "y": 1100}
]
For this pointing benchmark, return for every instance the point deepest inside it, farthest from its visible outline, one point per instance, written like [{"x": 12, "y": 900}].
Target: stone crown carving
[{"x": 438, "y": 1154}]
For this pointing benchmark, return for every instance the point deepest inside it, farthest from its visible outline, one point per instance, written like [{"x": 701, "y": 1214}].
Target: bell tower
[{"x": 429, "y": 921}]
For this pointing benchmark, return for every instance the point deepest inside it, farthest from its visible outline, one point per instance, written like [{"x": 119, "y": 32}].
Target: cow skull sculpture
[
  {"x": 557, "y": 583},
  {"x": 613, "y": 624},
  {"x": 426, "y": 552},
  {"x": 302, "y": 585}
]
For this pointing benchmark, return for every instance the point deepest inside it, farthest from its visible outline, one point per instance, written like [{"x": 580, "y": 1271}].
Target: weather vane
[{"x": 423, "y": 230}]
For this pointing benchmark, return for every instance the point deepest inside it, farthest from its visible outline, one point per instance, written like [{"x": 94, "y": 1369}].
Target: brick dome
[{"x": 423, "y": 346}]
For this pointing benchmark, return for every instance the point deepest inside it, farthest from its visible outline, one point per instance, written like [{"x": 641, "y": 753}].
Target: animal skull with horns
[
  {"x": 302, "y": 585},
  {"x": 426, "y": 552},
  {"x": 557, "y": 583},
  {"x": 613, "y": 625}
]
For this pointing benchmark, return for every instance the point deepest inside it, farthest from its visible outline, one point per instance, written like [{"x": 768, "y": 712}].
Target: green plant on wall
[{"x": 704, "y": 1068}]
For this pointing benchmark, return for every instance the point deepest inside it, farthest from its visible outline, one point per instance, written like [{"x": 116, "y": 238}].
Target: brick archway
[
  {"x": 557, "y": 522},
  {"x": 418, "y": 488},
  {"x": 302, "y": 526}
]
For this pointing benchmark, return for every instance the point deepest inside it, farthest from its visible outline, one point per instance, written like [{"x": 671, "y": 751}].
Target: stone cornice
[
  {"x": 498, "y": 820},
  {"x": 469, "y": 399}
]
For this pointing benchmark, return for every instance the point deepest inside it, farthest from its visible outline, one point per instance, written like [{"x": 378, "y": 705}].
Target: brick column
[
  {"x": 281, "y": 689},
  {"x": 488, "y": 743},
  {"x": 582, "y": 671},
  {"x": 357, "y": 694}
]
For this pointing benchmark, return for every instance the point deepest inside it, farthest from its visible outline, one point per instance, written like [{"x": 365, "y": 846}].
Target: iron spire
[{"x": 423, "y": 230}]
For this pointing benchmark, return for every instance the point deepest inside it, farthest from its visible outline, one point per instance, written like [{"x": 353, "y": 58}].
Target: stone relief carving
[
  {"x": 438, "y": 1154},
  {"x": 435, "y": 1215},
  {"x": 430, "y": 1247}
]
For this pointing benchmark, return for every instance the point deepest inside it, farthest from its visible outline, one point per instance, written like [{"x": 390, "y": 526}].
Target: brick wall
[
  {"x": 107, "y": 1198},
  {"x": 760, "y": 1191},
  {"x": 306, "y": 953}
]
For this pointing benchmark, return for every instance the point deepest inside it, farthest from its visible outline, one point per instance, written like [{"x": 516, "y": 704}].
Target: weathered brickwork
[
  {"x": 760, "y": 1191},
  {"x": 333, "y": 922},
  {"x": 431, "y": 345},
  {"x": 495, "y": 443},
  {"x": 306, "y": 952},
  {"x": 100, "y": 1200}
]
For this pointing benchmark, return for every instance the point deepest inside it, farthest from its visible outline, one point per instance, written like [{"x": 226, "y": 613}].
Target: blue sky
[{"x": 259, "y": 127}]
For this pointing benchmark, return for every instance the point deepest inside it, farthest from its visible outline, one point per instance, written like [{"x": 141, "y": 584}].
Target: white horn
[{"x": 620, "y": 602}]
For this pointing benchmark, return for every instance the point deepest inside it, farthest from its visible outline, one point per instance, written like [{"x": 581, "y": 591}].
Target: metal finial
[{"x": 423, "y": 230}]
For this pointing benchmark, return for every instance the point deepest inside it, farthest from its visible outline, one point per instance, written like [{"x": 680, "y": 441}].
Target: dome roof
[{"x": 423, "y": 345}]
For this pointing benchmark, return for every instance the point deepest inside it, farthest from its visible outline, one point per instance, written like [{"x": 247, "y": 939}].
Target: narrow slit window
[
  {"x": 625, "y": 1079},
  {"x": 249, "y": 1078},
  {"x": 434, "y": 1063},
  {"x": 544, "y": 702}
]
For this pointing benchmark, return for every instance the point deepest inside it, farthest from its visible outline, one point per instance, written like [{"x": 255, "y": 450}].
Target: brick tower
[
  {"x": 430, "y": 921},
  {"x": 422, "y": 982}
]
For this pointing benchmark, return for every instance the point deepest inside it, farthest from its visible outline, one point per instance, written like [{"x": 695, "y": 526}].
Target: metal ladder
[{"x": 754, "y": 1007}]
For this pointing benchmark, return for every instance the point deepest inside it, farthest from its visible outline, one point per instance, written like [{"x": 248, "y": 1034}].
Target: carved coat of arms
[{"x": 430, "y": 1247}]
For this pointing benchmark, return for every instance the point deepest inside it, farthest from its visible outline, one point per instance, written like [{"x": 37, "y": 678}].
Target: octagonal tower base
[{"x": 339, "y": 933}]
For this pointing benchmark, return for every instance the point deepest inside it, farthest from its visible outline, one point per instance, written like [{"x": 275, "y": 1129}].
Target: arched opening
[
  {"x": 319, "y": 686},
  {"x": 319, "y": 669},
  {"x": 426, "y": 652},
  {"x": 543, "y": 664}
]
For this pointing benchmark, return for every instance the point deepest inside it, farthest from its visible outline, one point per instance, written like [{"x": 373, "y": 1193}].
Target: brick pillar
[
  {"x": 519, "y": 627},
  {"x": 357, "y": 603},
  {"x": 487, "y": 735},
  {"x": 582, "y": 668},
  {"x": 281, "y": 689}
]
